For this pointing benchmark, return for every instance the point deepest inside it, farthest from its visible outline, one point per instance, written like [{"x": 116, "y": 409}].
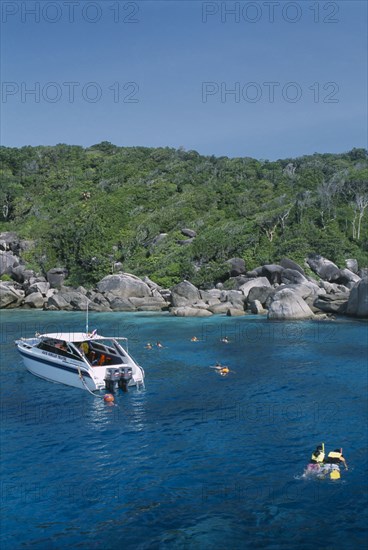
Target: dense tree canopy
[{"x": 89, "y": 208}]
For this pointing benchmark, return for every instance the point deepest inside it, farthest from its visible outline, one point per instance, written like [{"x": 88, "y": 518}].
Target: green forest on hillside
[{"x": 89, "y": 208}]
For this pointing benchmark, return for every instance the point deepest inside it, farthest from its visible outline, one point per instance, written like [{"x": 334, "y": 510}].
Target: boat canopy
[{"x": 78, "y": 336}]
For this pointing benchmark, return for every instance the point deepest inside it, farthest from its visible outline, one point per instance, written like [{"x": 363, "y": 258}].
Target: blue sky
[{"x": 266, "y": 79}]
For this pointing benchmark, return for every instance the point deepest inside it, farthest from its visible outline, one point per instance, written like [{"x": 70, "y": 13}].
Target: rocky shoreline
[{"x": 281, "y": 291}]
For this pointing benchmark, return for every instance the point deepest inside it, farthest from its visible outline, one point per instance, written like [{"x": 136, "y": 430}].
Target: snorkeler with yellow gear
[
  {"x": 321, "y": 466},
  {"x": 222, "y": 370}
]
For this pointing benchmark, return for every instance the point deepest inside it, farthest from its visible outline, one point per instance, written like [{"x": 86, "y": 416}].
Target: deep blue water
[{"x": 196, "y": 460}]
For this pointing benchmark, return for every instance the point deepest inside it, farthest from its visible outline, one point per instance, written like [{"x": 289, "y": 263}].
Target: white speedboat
[{"x": 82, "y": 360}]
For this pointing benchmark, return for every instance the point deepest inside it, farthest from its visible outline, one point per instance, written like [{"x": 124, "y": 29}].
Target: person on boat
[
  {"x": 84, "y": 347},
  {"x": 336, "y": 457},
  {"x": 92, "y": 358},
  {"x": 61, "y": 345},
  {"x": 318, "y": 455}
]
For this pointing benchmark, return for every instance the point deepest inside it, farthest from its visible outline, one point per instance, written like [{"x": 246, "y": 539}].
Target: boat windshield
[
  {"x": 97, "y": 353},
  {"x": 100, "y": 354},
  {"x": 59, "y": 347}
]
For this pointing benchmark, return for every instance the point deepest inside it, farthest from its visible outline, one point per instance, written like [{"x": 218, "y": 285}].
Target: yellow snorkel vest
[
  {"x": 334, "y": 454},
  {"x": 318, "y": 457}
]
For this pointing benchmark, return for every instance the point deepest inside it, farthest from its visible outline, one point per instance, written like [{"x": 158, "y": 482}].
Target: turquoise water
[{"x": 196, "y": 460}]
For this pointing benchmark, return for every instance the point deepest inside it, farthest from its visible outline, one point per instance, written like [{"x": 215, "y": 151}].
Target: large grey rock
[
  {"x": 358, "y": 300},
  {"x": 326, "y": 269},
  {"x": 124, "y": 285},
  {"x": 352, "y": 265},
  {"x": 286, "y": 304},
  {"x": 292, "y": 276},
  {"x": 208, "y": 298},
  {"x": 286, "y": 263},
  {"x": 201, "y": 305},
  {"x": 189, "y": 232},
  {"x": 235, "y": 297},
  {"x": 94, "y": 306},
  {"x": 236, "y": 266},
  {"x": 212, "y": 302},
  {"x": 41, "y": 288},
  {"x": 56, "y": 276},
  {"x": 7, "y": 262},
  {"x": 307, "y": 291},
  {"x": 83, "y": 291},
  {"x": 35, "y": 300},
  {"x": 256, "y": 307},
  {"x": 38, "y": 279},
  {"x": 151, "y": 284},
  {"x": 259, "y": 281},
  {"x": 184, "y": 294},
  {"x": 10, "y": 296},
  {"x": 77, "y": 300},
  {"x": 212, "y": 293},
  {"x": 21, "y": 274},
  {"x": 58, "y": 302},
  {"x": 348, "y": 278},
  {"x": 51, "y": 292},
  {"x": 69, "y": 299},
  {"x": 273, "y": 272},
  {"x": 100, "y": 300},
  {"x": 304, "y": 290},
  {"x": 256, "y": 272},
  {"x": 148, "y": 304},
  {"x": 122, "y": 304},
  {"x": 332, "y": 303},
  {"x": 157, "y": 295},
  {"x": 221, "y": 308},
  {"x": 261, "y": 294},
  {"x": 237, "y": 282},
  {"x": 190, "y": 312},
  {"x": 332, "y": 288}
]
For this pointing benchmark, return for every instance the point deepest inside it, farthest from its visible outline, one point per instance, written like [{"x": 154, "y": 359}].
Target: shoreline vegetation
[{"x": 160, "y": 229}]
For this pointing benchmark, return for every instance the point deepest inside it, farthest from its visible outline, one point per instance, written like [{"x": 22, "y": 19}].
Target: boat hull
[{"x": 59, "y": 372}]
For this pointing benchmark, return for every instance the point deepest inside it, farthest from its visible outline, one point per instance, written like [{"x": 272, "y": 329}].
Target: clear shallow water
[{"x": 196, "y": 460}]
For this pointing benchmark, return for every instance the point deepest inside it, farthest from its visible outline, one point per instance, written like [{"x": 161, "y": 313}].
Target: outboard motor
[
  {"x": 118, "y": 378},
  {"x": 126, "y": 374},
  {"x": 112, "y": 378}
]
